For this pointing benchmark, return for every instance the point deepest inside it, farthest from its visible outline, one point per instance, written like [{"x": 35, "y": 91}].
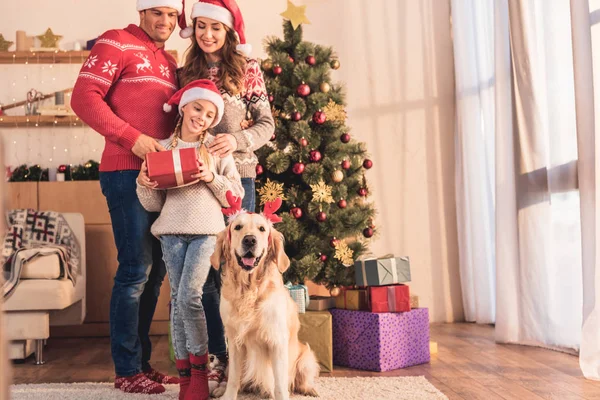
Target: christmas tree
[{"x": 313, "y": 162}]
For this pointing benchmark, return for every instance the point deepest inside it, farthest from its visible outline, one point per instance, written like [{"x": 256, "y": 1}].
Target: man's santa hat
[
  {"x": 226, "y": 12},
  {"x": 201, "y": 89},
  {"x": 174, "y": 4}
]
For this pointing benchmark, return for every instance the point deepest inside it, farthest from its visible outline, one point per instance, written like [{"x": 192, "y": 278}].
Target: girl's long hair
[
  {"x": 233, "y": 64},
  {"x": 205, "y": 157}
]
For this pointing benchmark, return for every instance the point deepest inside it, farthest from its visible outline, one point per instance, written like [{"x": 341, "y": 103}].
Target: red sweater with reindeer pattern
[{"x": 120, "y": 92}]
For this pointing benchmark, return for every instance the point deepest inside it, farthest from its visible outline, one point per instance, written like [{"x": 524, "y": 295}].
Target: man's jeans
[
  {"x": 211, "y": 299},
  {"x": 139, "y": 276}
]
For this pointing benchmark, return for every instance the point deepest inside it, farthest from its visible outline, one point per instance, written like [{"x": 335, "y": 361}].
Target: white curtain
[
  {"x": 533, "y": 206},
  {"x": 473, "y": 33}
]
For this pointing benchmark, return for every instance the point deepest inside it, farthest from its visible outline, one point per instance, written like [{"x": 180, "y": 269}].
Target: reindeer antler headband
[{"x": 235, "y": 208}]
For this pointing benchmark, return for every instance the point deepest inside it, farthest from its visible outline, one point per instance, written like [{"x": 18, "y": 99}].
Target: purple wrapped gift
[{"x": 380, "y": 341}]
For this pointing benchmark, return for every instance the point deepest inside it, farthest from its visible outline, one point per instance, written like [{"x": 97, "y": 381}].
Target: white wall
[{"x": 397, "y": 65}]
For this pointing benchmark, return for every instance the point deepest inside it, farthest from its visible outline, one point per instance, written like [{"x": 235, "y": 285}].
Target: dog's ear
[
  {"x": 277, "y": 248},
  {"x": 221, "y": 250}
]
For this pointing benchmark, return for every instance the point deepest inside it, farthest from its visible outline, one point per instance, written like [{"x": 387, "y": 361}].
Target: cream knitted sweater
[{"x": 194, "y": 209}]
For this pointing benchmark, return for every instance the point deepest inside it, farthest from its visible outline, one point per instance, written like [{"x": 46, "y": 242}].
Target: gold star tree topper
[
  {"x": 49, "y": 39},
  {"x": 4, "y": 44},
  {"x": 271, "y": 191},
  {"x": 334, "y": 111},
  {"x": 321, "y": 193},
  {"x": 296, "y": 14},
  {"x": 344, "y": 253}
]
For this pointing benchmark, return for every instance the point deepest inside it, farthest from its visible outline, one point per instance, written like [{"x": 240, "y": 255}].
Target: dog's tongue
[{"x": 248, "y": 261}]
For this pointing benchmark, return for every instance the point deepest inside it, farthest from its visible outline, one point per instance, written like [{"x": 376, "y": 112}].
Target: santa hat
[
  {"x": 201, "y": 89},
  {"x": 226, "y": 12},
  {"x": 174, "y": 4}
]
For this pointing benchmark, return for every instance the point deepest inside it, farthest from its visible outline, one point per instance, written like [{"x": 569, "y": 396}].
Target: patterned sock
[
  {"x": 198, "y": 389},
  {"x": 161, "y": 378},
  {"x": 138, "y": 384},
  {"x": 184, "y": 369}
]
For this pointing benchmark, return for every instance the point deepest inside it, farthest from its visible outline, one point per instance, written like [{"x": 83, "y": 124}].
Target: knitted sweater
[
  {"x": 193, "y": 209},
  {"x": 120, "y": 92},
  {"x": 252, "y": 100}
]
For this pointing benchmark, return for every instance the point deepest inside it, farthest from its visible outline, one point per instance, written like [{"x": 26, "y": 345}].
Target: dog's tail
[{"x": 307, "y": 371}]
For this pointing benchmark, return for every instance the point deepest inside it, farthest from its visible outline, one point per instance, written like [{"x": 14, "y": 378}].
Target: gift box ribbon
[
  {"x": 291, "y": 287},
  {"x": 178, "y": 167}
]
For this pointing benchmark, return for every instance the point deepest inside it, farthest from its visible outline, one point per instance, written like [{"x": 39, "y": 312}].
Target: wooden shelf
[
  {"x": 50, "y": 57},
  {"x": 32, "y": 121}
]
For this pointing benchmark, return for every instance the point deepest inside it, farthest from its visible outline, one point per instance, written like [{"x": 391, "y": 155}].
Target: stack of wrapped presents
[{"x": 375, "y": 326}]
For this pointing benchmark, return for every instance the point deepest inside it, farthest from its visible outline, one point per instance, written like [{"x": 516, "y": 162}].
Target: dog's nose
[{"x": 249, "y": 240}]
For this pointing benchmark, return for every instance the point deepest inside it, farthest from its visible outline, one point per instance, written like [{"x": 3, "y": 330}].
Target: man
[{"x": 119, "y": 93}]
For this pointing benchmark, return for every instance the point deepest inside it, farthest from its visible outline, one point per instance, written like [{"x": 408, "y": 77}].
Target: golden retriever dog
[{"x": 260, "y": 318}]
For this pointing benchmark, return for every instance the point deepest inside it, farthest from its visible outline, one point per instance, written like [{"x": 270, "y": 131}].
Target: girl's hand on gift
[
  {"x": 223, "y": 145},
  {"x": 204, "y": 173},
  {"x": 143, "y": 178}
]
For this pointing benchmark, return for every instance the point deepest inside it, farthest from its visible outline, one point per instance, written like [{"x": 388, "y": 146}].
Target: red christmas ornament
[
  {"x": 342, "y": 203},
  {"x": 311, "y": 60},
  {"x": 271, "y": 98},
  {"x": 298, "y": 168},
  {"x": 368, "y": 232},
  {"x": 291, "y": 59},
  {"x": 323, "y": 257},
  {"x": 345, "y": 138},
  {"x": 319, "y": 117},
  {"x": 303, "y": 142},
  {"x": 346, "y": 164},
  {"x": 367, "y": 164},
  {"x": 277, "y": 70},
  {"x": 296, "y": 116},
  {"x": 321, "y": 216},
  {"x": 303, "y": 90},
  {"x": 362, "y": 192},
  {"x": 259, "y": 169},
  {"x": 315, "y": 156},
  {"x": 62, "y": 168},
  {"x": 333, "y": 242},
  {"x": 272, "y": 137},
  {"x": 296, "y": 212}
]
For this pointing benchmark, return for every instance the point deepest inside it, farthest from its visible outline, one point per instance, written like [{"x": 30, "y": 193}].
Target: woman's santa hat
[
  {"x": 226, "y": 12},
  {"x": 147, "y": 4},
  {"x": 201, "y": 89}
]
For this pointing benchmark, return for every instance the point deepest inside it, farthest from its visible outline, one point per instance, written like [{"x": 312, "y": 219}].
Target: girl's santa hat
[
  {"x": 226, "y": 12},
  {"x": 147, "y": 4},
  {"x": 201, "y": 89}
]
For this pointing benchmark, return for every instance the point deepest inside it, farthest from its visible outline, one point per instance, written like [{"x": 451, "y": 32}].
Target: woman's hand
[
  {"x": 204, "y": 173},
  {"x": 143, "y": 178},
  {"x": 223, "y": 145}
]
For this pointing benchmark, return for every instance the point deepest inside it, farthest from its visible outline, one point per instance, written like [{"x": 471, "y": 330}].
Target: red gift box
[
  {"x": 391, "y": 298},
  {"x": 173, "y": 168}
]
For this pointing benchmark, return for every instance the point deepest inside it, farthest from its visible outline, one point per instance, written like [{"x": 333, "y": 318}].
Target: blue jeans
[
  {"x": 187, "y": 258},
  {"x": 211, "y": 298},
  {"x": 139, "y": 275}
]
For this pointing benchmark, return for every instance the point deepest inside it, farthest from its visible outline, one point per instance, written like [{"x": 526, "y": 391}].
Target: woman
[{"x": 218, "y": 52}]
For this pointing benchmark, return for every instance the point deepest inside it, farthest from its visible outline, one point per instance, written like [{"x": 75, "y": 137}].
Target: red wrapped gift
[
  {"x": 173, "y": 168},
  {"x": 391, "y": 298}
]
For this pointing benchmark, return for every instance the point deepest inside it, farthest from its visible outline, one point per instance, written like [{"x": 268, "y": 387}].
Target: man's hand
[
  {"x": 223, "y": 145},
  {"x": 144, "y": 145}
]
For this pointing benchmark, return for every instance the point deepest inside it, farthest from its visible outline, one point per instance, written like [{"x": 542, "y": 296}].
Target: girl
[
  {"x": 217, "y": 53},
  {"x": 190, "y": 217}
]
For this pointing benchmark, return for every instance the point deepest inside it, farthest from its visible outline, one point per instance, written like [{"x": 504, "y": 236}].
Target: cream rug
[{"x": 396, "y": 388}]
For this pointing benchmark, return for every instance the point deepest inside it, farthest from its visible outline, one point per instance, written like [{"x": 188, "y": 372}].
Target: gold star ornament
[
  {"x": 334, "y": 111},
  {"x": 295, "y": 14},
  {"x": 49, "y": 39},
  {"x": 4, "y": 44},
  {"x": 344, "y": 253},
  {"x": 321, "y": 193},
  {"x": 271, "y": 191}
]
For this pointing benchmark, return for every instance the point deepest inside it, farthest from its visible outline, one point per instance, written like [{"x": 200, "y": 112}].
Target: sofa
[{"x": 40, "y": 300}]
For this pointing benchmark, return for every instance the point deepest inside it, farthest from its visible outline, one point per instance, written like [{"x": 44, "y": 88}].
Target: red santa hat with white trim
[
  {"x": 200, "y": 89},
  {"x": 147, "y": 4},
  {"x": 226, "y": 12}
]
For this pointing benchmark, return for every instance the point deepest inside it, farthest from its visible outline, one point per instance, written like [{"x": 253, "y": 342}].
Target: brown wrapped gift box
[{"x": 316, "y": 330}]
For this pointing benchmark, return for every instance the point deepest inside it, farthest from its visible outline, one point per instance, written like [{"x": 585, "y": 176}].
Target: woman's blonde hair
[
  {"x": 203, "y": 153},
  {"x": 233, "y": 64}
]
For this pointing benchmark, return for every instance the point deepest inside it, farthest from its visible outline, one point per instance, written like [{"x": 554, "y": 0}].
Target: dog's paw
[{"x": 219, "y": 391}]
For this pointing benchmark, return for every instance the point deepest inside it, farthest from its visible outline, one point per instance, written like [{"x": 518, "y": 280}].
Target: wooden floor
[{"x": 469, "y": 365}]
